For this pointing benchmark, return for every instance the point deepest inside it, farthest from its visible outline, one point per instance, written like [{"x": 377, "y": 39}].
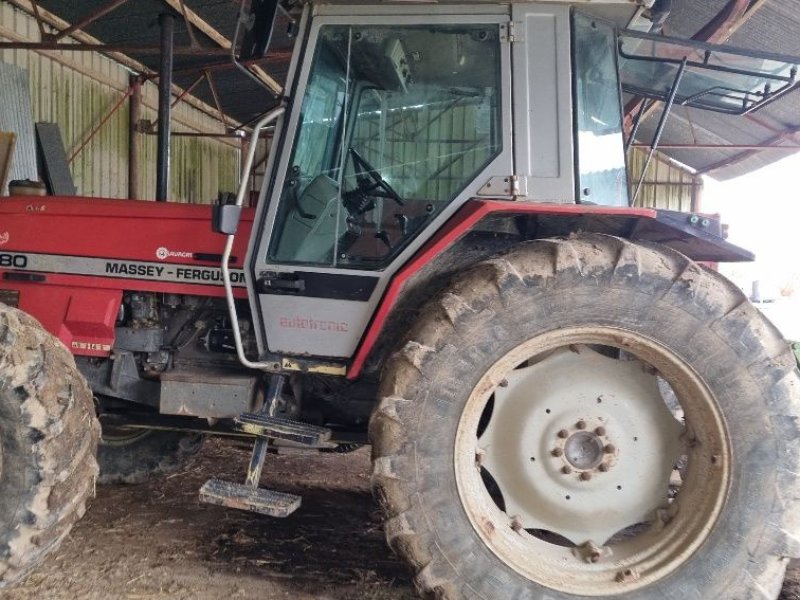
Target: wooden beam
[{"x": 220, "y": 40}]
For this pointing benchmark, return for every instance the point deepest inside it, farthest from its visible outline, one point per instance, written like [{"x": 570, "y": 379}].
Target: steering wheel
[{"x": 370, "y": 183}]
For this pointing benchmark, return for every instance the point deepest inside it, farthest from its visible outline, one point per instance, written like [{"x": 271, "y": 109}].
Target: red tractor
[{"x": 562, "y": 401}]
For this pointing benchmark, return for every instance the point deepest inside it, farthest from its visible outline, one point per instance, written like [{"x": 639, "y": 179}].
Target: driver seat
[{"x": 312, "y": 238}]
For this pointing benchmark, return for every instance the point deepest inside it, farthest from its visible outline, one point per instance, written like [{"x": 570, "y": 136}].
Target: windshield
[
  {"x": 396, "y": 121},
  {"x": 602, "y": 173}
]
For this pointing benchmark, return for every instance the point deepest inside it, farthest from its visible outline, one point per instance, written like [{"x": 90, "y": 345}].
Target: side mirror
[{"x": 225, "y": 218}]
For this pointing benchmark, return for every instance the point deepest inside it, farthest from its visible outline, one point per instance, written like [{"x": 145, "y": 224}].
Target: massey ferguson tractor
[{"x": 562, "y": 400}]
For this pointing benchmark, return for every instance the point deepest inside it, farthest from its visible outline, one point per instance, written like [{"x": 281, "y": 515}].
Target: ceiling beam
[
  {"x": 87, "y": 20},
  {"x": 58, "y": 23},
  {"x": 203, "y": 26},
  {"x": 110, "y": 48},
  {"x": 773, "y": 141}
]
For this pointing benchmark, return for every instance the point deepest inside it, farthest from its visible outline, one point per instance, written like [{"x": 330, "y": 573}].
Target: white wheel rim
[{"x": 585, "y": 470}]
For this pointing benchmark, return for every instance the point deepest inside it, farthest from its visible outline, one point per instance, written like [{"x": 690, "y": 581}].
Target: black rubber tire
[
  {"x": 150, "y": 452},
  {"x": 589, "y": 280},
  {"x": 48, "y": 436}
]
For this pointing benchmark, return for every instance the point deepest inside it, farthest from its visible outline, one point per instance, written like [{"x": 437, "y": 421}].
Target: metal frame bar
[
  {"x": 216, "y": 98},
  {"x": 167, "y": 24},
  {"x": 87, "y": 20},
  {"x": 721, "y": 146},
  {"x": 717, "y": 30},
  {"x": 39, "y": 21},
  {"x": 107, "y": 48},
  {"x": 750, "y": 102},
  {"x": 643, "y": 109},
  {"x": 660, "y": 130},
  {"x": 223, "y": 42},
  {"x": 57, "y": 23},
  {"x": 134, "y": 145},
  {"x": 187, "y": 90},
  {"x": 790, "y": 133},
  {"x": 100, "y": 125},
  {"x": 226, "y": 65}
]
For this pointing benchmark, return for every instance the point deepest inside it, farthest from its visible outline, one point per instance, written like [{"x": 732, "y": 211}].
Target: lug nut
[
  {"x": 516, "y": 524},
  {"x": 594, "y": 557},
  {"x": 626, "y": 576},
  {"x": 600, "y": 431},
  {"x": 556, "y": 452},
  {"x": 585, "y": 476},
  {"x": 566, "y": 470},
  {"x": 581, "y": 424},
  {"x": 563, "y": 434},
  {"x": 610, "y": 448},
  {"x": 503, "y": 383},
  {"x": 602, "y": 467}
]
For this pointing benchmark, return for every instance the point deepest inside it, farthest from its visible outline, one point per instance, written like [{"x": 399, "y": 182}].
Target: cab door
[{"x": 396, "y": 122}]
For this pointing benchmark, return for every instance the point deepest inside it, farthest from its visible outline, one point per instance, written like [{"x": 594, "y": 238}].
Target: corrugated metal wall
[
  {"x": 666, "y": 185},
  {"x": 77, "y": 89}
]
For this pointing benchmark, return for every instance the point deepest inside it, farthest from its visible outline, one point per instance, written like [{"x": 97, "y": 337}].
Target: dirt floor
[{"x": 154, "y": 540}]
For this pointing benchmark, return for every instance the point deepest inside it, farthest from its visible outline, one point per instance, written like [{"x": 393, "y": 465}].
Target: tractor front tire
[
  {"x": 48, "y": 441},
  {"x": 131, "y": 456},
  {"x": 522, "y": 448}
]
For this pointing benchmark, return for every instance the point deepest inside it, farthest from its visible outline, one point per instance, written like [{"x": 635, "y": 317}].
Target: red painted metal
[
  {"x": 464, "y": 220},
  {"x": 81, "y": 309}
]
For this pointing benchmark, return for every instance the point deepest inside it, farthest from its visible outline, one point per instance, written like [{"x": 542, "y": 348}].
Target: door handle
[{"x": 280, "y": 283}]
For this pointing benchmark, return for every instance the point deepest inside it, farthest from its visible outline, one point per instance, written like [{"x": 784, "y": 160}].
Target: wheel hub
[
  {"x": 581, "y": 445},
  {"x": 584, "y": 450}
]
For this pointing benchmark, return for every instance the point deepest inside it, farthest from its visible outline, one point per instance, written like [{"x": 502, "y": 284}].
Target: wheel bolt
[
  {"x": 602, "y": 467},
  {"x": 563, "y": 434},
  {"x": 581, "y": 424},
  {"x": 600, "y": 431},
  {"x": 585, "y": 476},
  {"x": 503, "y": 383},
  {"x": 566, "y": 470},
  {"x": 594, "y": 557},
  {"x": 556, "y": 452},
  {"x": 610, "y": 448}
]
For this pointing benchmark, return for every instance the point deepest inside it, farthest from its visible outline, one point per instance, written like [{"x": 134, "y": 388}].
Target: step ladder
[{"x": 265, "y": 426}]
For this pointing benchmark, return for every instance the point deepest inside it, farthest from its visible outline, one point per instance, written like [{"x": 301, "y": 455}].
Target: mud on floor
[{"x": 155, "y": 540}]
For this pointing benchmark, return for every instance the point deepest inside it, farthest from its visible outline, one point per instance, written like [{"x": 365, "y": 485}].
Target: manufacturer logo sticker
[
  {"x": 4, "y": 237},
  {"x": 163, "y": 253}
]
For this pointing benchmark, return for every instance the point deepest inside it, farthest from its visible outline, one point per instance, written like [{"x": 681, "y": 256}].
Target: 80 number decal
[{"x": 17, "y": 261}]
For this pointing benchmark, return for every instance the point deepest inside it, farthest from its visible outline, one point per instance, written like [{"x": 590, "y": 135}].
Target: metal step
[
  {"x": 245, "y": 497},
  {"x": 263, "y": 425}
]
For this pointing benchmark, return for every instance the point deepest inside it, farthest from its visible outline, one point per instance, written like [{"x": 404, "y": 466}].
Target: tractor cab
[{"x": 397, "y": 120}]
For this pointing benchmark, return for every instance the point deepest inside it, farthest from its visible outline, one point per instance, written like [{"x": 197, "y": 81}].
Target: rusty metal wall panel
[
  {"x": 16, "y": 116},
  {"x": 77, "y": 89}
]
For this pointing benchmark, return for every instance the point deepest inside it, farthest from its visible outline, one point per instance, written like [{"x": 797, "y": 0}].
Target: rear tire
[
  {"x": 48, "y": 440},
  {"x": 735, "y": 521},
  {"x": 133, "y": 456}
]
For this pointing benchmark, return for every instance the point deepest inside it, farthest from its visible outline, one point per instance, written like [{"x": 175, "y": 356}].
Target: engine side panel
[{"x": 66, "y": 261}]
